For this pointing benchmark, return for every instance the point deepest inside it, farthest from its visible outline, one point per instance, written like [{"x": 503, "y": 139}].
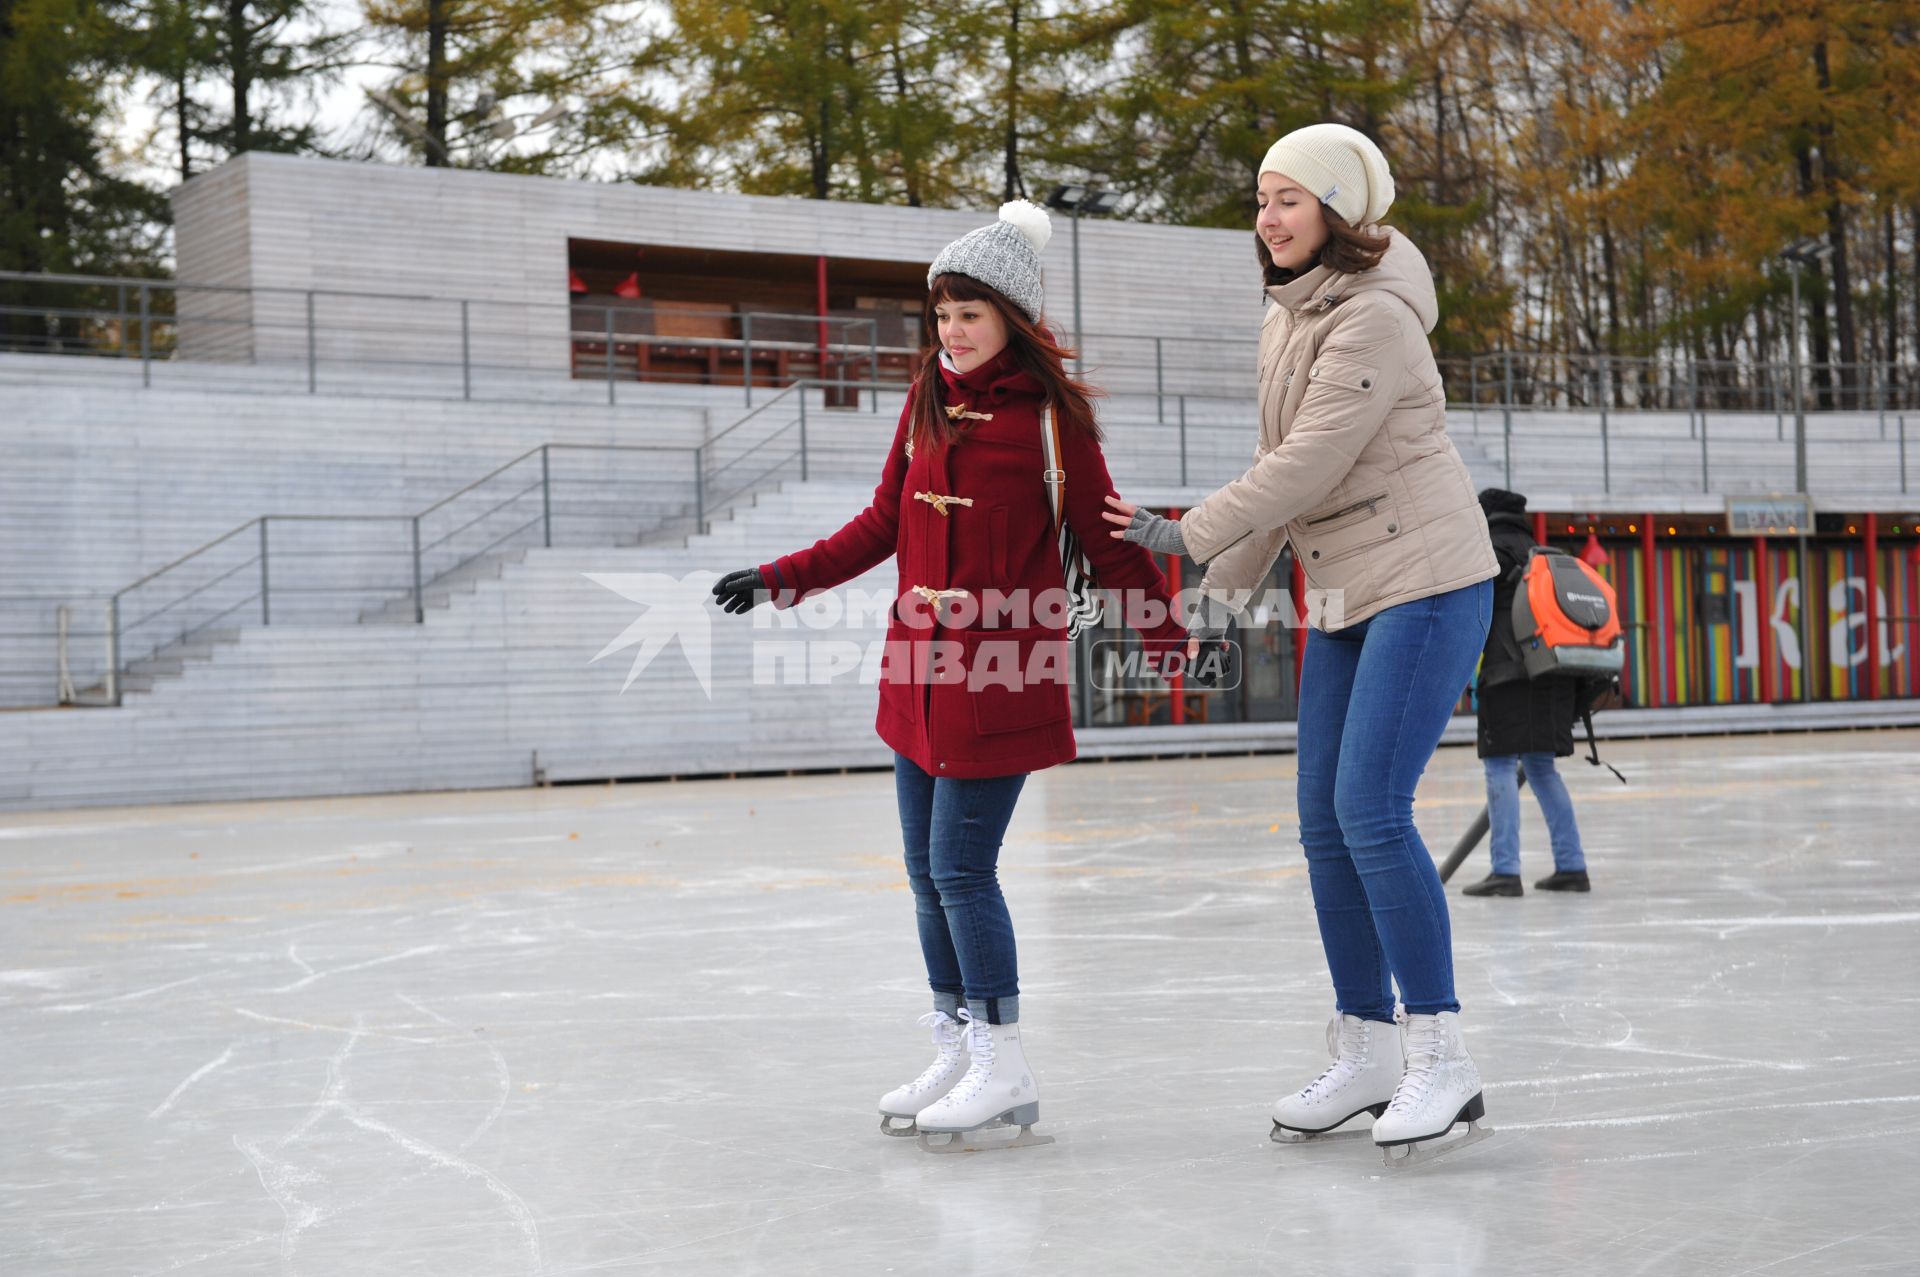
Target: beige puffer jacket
[{"x": 1354, "y": 465}]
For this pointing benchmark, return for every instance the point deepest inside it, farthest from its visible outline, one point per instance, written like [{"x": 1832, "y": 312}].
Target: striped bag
[{"x": 1083, "y": 601}]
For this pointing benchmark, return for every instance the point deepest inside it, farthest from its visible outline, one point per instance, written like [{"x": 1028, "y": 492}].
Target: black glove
[
  {"x": 1209, "y": 669},
  {"x": 1211, "y": 625},
  {"x": 740, "y": 591}
]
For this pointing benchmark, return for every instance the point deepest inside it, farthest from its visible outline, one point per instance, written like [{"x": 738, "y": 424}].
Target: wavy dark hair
[
  {"x": 1348, "y": 250},
  {"x": 1033, "y": 349}
]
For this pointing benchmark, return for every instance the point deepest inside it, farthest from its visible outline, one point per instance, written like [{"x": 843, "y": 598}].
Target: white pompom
[{"x": 1030, "y": 220}]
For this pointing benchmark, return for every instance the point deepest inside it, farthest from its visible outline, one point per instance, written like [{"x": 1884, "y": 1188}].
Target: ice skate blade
[
  {"x": 1285, "y": 1135},
  {"x": 1405, "y": 1157},
  {"x": 960, "y": 1141},
  {"x": 887, "y": 1126}
]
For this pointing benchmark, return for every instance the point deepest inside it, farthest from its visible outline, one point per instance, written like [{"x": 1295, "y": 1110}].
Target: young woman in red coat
[{"x": 973, "y": 692}]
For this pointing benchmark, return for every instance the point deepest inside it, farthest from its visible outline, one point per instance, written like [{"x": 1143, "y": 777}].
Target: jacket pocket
[
  {"x": 1016, "y": 679},
  {"x": 1348, "y": 512},
  {"x": 1347, "y": 528},
  {"x": 1346, "y": 374}
]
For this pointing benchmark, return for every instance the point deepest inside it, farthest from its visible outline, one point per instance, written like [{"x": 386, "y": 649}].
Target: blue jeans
[
  {"x": 1374, "y": 700},
  {"x": 1503, "y": 811},
  {"x": 952, "y": 830}
]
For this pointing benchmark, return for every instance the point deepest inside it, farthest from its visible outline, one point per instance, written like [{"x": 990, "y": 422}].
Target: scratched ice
[{"x": 642, "y": 1029}]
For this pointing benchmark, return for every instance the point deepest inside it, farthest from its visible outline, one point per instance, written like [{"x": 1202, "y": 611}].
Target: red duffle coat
[{"x": 962, "y": 693}]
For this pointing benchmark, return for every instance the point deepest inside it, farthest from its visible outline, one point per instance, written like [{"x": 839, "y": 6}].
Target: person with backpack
[
  {"x": 990, "y": 503},
  {"x": 1524, "y": 723},
  {"x": 1354, "y": 469}
]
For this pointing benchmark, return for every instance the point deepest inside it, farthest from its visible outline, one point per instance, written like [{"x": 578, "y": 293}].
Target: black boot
[
  {"x": 1496, "y": 885},
  {"x": 1562, "y": 880}
]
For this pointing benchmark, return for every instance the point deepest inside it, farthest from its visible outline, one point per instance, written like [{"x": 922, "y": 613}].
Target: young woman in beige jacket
[{"x": 1355, "y": 470}]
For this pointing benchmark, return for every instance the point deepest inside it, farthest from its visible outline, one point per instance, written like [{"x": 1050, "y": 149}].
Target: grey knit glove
[
  {"x": 1212, "y": 622},
  {"x": 1162, "y": 536},
  {"x": 1213, "y": 619}
]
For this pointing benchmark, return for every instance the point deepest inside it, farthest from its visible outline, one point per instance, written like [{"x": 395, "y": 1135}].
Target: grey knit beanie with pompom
[{"x": 1004, "y": 256}]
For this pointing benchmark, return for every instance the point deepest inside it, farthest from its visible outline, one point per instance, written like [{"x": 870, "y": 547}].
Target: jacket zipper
[{"x": 1368, "y": 505}]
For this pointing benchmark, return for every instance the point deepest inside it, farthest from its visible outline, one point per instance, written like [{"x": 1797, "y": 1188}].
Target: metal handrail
[
  {"x": 489, "y": 511},
  {"x": 485, "y": 478},
  {"x": 534, "y": 452},
  {"x": 184, "y": 635},
  {"x": 55, "y": 277},
  {"x": 121, "y": 661},
  {"x": 717, "y": 471},
  {"x": 191, "y": 554},
  {"x": 800, "y": 386},
  {"x": 129, "y": 626},
  {"x": 763, "y": 474},
  {"x": 849, "y": 340},
  {"x": 1624, "y": 372}
]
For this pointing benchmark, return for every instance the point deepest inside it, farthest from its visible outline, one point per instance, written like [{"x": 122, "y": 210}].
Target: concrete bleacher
[
  {"x": 499, "y": 671},
  {"x": 499, "y": 687},
  {"x": 107, "y": 482},
  {"x": 1855, "y": 460},
  {"x": 110, "y": 479}
]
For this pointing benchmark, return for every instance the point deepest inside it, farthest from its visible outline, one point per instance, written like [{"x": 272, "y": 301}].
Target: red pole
[
  {"x": 1873, "y": 606},
  {"x": 1177, "y": 685},
  {"x": 820, "y": 291},
  {"x": 1539, "y": 527},
  {"x": 1763, "y": 607},
  {"x": 1649, "y": 589}
]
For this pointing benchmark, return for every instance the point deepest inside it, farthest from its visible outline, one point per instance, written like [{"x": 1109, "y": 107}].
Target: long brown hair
[
  {"x": 1031, "y": 347},
  {"x": 1348, "y": 250}
]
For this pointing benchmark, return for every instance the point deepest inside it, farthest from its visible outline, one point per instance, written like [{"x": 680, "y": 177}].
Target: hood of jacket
[{"x": 1403, "y": 271}]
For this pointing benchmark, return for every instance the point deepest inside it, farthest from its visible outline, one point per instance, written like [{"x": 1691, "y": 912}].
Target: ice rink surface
[{"x": 643, "y": 1030}]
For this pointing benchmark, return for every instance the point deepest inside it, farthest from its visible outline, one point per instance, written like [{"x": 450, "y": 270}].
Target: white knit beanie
[
  {"x": 1004, "y": 256},
  {"x": 1341, "y": 166}
]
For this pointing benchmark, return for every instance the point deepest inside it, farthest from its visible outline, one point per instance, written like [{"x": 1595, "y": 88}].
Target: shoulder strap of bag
[
  {"x": 1054, "y": 477},
  {"x": 1586, "y": 697}
]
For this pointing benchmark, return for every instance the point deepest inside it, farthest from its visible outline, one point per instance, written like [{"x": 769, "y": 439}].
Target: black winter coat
[{"x": 1517, "y": 715}]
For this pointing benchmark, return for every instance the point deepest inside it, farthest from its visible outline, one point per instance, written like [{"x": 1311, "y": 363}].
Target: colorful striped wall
[{"x": 1684, "y": 648}]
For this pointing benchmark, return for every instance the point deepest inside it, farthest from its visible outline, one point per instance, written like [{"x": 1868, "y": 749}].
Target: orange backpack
[{"x": 1567, "y": 619}]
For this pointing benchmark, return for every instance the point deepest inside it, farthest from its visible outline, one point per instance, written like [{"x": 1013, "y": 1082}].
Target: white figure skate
[
  {"x": 1440, "y": 1090},
  {"x": 997, "y": 1091},
  {"x": 1366, "y": 1069},
  {"x": 901, "y": 1103}
]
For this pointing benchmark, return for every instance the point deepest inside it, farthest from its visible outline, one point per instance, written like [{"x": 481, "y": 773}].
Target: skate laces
[
  {"x": 1346, "y": 1045},
  {"x": 1426, "y": 1047},
  {"x": 946, "y": 1038},
  {"x": 979, "y": 1038},
  {"x": 946, "y": 1030}
]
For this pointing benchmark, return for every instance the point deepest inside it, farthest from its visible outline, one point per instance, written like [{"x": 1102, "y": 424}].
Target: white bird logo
[{"x": 675, "y": 608}]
